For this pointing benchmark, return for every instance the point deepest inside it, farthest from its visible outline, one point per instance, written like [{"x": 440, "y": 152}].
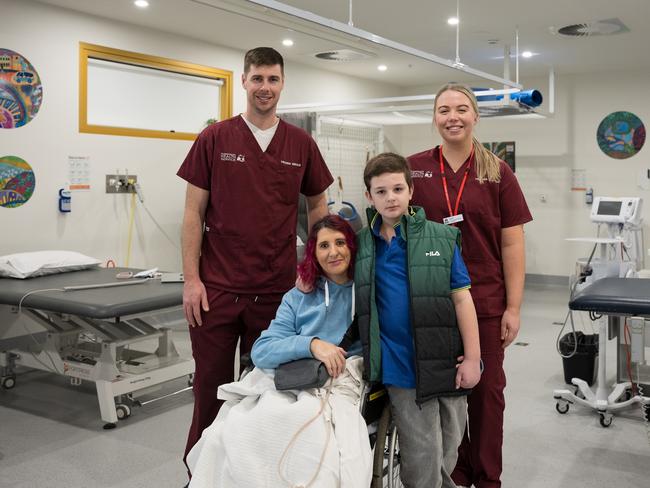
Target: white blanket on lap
[{"x": 243, "y": 446}]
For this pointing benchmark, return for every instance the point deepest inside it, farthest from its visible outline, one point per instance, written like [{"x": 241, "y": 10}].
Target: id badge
[{"x": 453, "y": 219}]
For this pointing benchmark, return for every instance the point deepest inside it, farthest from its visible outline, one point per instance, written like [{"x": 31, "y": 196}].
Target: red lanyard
[{"x": 462, "y": 184}]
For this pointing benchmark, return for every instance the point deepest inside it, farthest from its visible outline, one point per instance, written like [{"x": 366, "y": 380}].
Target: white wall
[
  {"x": 548, "y": 149},
  {"x": 98, "y": 223}
]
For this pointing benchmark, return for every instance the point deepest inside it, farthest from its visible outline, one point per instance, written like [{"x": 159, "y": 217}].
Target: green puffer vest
[{"x": 433, "y": 318}]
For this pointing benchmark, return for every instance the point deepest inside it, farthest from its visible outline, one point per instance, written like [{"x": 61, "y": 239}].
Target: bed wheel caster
[
  {"x": 8, "y": 382},
  {"x": 122, "y": 411},
  {"x": 606, "y": 419},
  {"x": 562, "y": 407},
  {"x": 109, "y": 426}
]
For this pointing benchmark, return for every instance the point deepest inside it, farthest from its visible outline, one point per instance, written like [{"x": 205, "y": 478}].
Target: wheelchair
[
  {"x": 375, "y": 409},
  {"x": 382, "y": 432}
]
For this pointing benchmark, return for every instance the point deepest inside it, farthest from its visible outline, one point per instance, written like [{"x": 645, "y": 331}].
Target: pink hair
[{"x": 309, "y": 270}]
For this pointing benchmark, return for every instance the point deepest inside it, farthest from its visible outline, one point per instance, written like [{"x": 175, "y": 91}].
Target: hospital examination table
[
  {"x": 624, "y": 301},
  {"x": 88, "y": 333}
]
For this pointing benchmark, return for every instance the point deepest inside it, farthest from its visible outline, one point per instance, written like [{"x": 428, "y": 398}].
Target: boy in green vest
[{"x": 417, "y": 322}]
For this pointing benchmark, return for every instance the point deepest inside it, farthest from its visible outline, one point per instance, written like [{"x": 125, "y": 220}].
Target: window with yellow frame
[{"x": 132, "y": 94}]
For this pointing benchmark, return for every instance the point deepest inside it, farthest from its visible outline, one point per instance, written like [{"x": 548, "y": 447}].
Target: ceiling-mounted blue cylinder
[{"x": 532, "y": 98}]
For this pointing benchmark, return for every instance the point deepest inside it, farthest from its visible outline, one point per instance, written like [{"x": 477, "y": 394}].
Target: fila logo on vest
[
  {"x": 432, "y": 253},
  {"x": 233, "y": 157}
]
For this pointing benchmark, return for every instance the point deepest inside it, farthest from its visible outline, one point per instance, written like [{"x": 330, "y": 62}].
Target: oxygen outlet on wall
[
  {"x": 65, "y": 200},
  {"x": 121, "y": 183}
]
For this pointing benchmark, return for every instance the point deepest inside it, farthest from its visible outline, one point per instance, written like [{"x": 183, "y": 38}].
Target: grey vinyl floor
[{"x": 51, "y": 434}]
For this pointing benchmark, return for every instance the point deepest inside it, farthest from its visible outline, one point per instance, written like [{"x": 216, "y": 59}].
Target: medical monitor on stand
[
  {"x": 622, "y": 211},
  {"x": 620, "y": 250}
]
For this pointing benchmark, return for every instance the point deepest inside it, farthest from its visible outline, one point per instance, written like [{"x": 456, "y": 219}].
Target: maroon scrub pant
[
  {"x": 479, "y": 455},
  {"x": 230, "y": 317}
]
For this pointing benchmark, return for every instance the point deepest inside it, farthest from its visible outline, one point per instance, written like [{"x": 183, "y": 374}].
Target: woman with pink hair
[
  {"x": 313, "y": 324},
  {"x": 314, "y": 437}
]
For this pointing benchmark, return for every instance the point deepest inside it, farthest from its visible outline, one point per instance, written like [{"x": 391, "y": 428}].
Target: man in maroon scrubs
[{"x": 244, "y": 176}]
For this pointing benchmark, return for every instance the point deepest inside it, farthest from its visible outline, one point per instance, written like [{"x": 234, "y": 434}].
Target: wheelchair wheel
[{"x": 386, "y": 465}]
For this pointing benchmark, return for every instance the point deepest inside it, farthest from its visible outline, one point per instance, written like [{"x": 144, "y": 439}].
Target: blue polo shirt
[{"x": 394, "y": 307}]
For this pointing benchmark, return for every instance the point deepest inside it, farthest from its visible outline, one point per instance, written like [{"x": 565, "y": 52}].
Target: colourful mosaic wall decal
[
  {"x": 621, "y": 135},
  {"x": 17, "y": 181},
  {"x": 21, "y": 92}
]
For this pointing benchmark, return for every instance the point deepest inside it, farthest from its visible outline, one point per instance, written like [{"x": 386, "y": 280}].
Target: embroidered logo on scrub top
[
  {"x": 432, "y": 253},
  {"x": 287, "y": 163},
  {"x": 233, "y": 157},
  {"x": 417, "y": 174}
]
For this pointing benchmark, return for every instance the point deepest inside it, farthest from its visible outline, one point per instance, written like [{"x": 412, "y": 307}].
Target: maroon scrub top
[
  {"x": 249, "y": 243},
  {"x": 487, "y": 208}
]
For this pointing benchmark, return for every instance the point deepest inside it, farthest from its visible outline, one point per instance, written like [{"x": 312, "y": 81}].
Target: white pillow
[{"x": 39, "y": 263}]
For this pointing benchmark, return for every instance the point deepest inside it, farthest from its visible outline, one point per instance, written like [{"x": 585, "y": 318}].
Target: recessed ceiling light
[
  {"x": 141, "y": 3},
  {"x": 452, "y": 20},
  {"x": 526, "y": 54},
  {"x": 287, "y": 42},
  {"x": 382, "y": 67}
]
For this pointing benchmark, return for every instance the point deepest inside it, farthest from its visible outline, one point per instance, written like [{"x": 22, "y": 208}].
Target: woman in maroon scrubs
[{"x": 461, "y": 183}]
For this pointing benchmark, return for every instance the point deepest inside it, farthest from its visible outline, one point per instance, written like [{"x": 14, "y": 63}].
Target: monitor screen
[{"x": 609, "y": 207}]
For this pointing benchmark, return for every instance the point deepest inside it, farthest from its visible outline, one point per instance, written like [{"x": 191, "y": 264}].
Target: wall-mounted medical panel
[{"x": 132, "y": 94}]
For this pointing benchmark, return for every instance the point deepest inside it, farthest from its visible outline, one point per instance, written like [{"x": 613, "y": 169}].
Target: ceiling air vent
[
  {"x": 597, "y": 28},
  {"x": 343, "y": 55}
]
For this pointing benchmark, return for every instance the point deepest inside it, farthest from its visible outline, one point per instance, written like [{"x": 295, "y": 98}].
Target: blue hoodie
[{"x": 325, "y": 313}]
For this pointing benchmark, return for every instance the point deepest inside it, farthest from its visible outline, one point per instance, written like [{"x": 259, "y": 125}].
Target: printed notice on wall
[
  {"x": 578, "y": 180},
  {"x": 79, "y": 172}
]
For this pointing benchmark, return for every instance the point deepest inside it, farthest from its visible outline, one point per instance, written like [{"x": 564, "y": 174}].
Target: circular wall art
[
  {"x": 17, "y": 181},
  {"x": 21, "y": 92},
  {"x": 621, "y": 135}
]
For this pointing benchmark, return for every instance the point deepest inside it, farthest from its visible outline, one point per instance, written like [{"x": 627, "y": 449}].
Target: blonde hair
[{"x": 488, "y": 165}]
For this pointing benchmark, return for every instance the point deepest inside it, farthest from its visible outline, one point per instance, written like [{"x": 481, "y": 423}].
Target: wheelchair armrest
[{"x": 245, "y": 362}]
